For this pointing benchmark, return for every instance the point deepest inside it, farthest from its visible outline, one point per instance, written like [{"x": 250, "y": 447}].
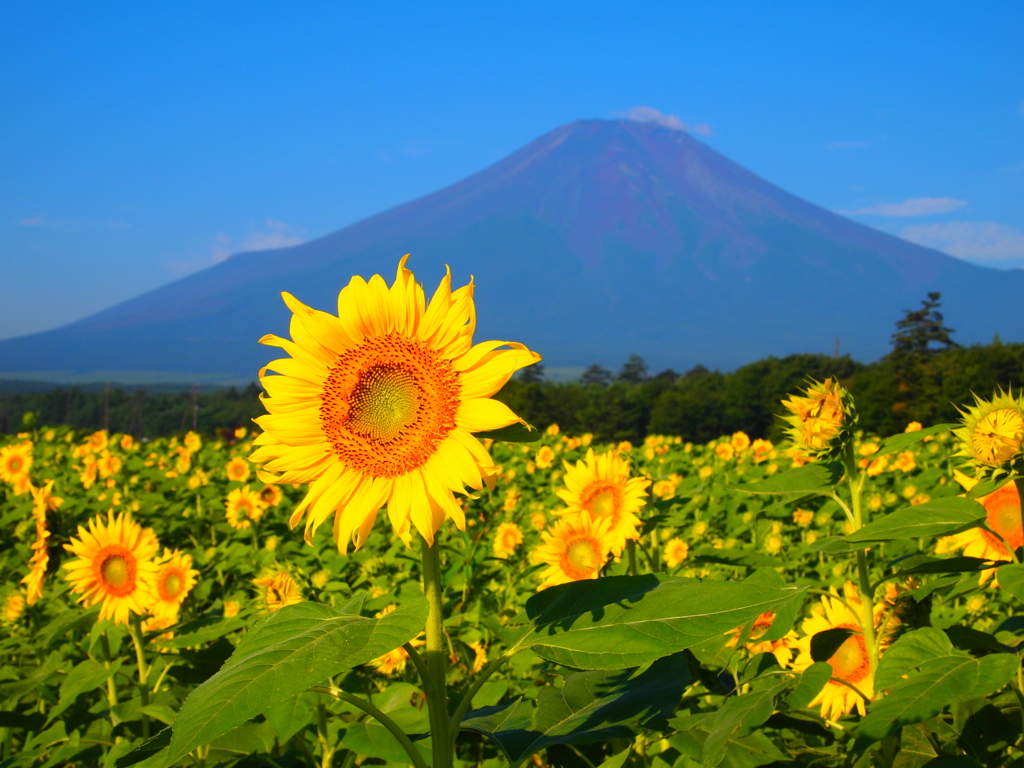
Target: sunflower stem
[
  {"x": 326, "y": 752},
  {"x": 435, "y": 658},
  {"x": 631, "y": 552},
  {"x": 855, "y": 478},
  {"x": 140, "y": 657},
  {"x": 380, "y": 717},
  {"x": 481, "y": 678}
]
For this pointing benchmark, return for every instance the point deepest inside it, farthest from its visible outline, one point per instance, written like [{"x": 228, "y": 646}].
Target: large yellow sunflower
[
  {"x": 15, "y": 461},
  {"x": 173, "y": 580},
  {"x": 114, "y": 566},
  {"x": 850, "y": 662},
  {"x": 576, "y": 548},
  {"x": 602, "y": 487},
  {"x": 1002, "y": 513},
  {"x": 379, "y": 405}
]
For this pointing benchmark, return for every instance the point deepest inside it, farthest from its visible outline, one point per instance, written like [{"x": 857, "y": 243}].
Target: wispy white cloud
[
  {"x": 842, "y": 145},
  {"x": 702, "y": 128},
  {"x": 985, "y": 242},
  {"x": 651, "y": 115},
  {"x": 35, "y": 221},
  {"x": 273, "y": 234},
  {"x": 915, "y": 206}
]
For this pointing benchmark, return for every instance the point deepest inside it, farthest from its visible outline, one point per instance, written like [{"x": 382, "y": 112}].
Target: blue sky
[{"x": 140, "y": 142}]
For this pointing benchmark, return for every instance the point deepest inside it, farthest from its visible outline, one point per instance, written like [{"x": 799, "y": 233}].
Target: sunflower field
[{"x": 839, "y": 599}]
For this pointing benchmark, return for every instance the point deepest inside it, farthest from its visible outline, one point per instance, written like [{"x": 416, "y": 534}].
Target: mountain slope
[{"x": 599, "y": 239}]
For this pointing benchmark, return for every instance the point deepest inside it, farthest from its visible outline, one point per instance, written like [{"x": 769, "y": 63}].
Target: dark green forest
[{"x": 922, "y": 379}]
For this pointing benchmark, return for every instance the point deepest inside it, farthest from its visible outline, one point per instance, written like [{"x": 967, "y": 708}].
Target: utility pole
[
  {"x": 106, "y": 407},
  {"x": 195, "y": 407},
  {"x": 835, "y": 354}
]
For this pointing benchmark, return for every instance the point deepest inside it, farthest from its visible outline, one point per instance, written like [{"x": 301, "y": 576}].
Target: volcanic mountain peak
[{"x": 598, "y": 239}]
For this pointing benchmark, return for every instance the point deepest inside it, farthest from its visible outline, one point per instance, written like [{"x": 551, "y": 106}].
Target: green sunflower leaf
[
  {"x": 808, "y": 479},
  {"x": 938, "y": 517},
  {"x": 907, "y": 439},
  {"x": 924, "y": 673},
  {"x": 295, "y": 648},
  {"x": 590, "y": 707},
  {"x": 624, "y": 621}
]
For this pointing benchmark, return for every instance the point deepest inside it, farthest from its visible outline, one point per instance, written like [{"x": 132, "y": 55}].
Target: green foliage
[
  {"x": 291, "y": 650},
  {"x": 587, "y": 707},
  {"x": 924, "y": 673},
  {"x": 626, "y": 620},
  {"x": 938, "y": 517}
]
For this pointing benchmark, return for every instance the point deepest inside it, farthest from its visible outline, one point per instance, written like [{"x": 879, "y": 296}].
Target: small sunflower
[
  {"x": 822, "y": 421},
  {"x": 740, "y": 441},
  {"x": 237, "y": 469},
  {"x": 506, "y": 539},
  {"x": 575, "y": 549},
  {"x": 108, "y": 465},
  {"x": 270, "y": 496},
  {"x": 1002, "y": 514},
  {"x": 14, "y": 607},
  {"x": 40, "y": 560},
  {"x": 479, "y": 654},
  {"x": 97, "y": 441},
  {"x": 15, "y": 462},
  {"x": 192, "y": 441},
  {"x": 378, "y": 405},
  {"x": 602, "y": 487},
  {"x": 115, "y": 561},
  {"x": 676, "y": 551},
  {"x": 992, "y": 435},
  {"x": 173, "y": 580},
  {"x": 277, "y": 589},
  {"x": 393, "y": 662},
  {"x": 243, "y": 507},
  {"x": 781, "y": 649}
]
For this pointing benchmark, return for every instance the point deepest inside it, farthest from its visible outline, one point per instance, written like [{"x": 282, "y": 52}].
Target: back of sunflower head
[{"x": 822, "y": 421}]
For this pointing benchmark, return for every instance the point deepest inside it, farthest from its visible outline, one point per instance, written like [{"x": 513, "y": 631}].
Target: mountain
[{"x": 595, "y": 241}]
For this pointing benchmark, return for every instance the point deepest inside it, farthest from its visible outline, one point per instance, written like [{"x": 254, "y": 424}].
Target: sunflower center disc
[
  {"x": 172, "y": 585},
  {"x": 582, "y": 557},
  {"x": 115, "y": 571},
  {"x": 388, "y": 404},
  {"x": 850, "y": 662},
  {"x": 384, "y": 402},
  {"x": 602, "y": 504}
]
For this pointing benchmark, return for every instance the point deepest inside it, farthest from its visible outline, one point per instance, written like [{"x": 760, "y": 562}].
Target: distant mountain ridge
[{"x": 597, "y": 240}]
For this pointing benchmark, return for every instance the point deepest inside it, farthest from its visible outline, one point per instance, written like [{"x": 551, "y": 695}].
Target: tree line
[{"x": 922, "y": 379}]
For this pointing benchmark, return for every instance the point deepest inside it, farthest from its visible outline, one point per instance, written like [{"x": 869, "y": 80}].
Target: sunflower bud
[
  {"x": 821, "y": 422},
  {"x": 992, "y": 436}
]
